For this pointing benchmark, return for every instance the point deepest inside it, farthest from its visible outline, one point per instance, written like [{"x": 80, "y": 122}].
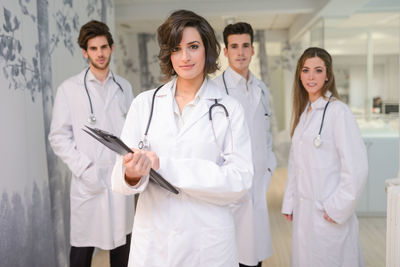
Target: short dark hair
[
  {"x": 93, "y": 29},
  {"x": 169, "y": 35},
  {"x": 238, "y": 28}
]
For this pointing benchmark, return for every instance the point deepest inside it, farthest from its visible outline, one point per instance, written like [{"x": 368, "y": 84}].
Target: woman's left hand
[{"x": 329, "y": 219}]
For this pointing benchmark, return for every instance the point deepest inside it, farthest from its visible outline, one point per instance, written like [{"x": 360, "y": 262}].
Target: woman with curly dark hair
[{"x": 207, "y": 161}]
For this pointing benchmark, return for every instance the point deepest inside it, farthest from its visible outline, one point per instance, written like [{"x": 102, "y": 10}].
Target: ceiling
[{"x": 293, "y": 17}]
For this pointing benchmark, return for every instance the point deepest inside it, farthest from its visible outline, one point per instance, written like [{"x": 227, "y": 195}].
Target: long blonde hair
[{"x": 300, "y": 95}]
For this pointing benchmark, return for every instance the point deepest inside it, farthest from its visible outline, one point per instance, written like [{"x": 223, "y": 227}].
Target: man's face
[
  {"x": 98, "y": 52},
  {"x": 239, "y": 52}
]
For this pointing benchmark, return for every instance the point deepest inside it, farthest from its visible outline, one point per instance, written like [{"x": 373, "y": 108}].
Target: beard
[{"x": 97, "y": 66}]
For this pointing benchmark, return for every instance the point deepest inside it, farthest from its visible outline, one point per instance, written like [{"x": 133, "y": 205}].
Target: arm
[
  {"x": 354, "y": 168},
  {"x": 290, "y": 188},
  {"x": 271, "y": 163},
  {"x": 137, "y": 178},
  {"x": 61, "y": 136}
]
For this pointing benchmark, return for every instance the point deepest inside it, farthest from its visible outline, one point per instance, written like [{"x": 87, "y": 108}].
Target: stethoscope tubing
[
  {"x": 143, "y": 144},
  {"x": 323, "y": 115},
  {"x": 87, "y": 91}
]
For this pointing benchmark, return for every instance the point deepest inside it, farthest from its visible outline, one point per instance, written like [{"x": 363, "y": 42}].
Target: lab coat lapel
[
  {"x": 164, "y": 104},
  {"x": 210, "y": 93},
  {"x": 113, "y": 91},
  {"x": 257, "y": 95}
]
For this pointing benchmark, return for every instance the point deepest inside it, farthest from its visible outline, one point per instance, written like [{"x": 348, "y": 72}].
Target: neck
[
  {"x": 313, "y": 97},
  {"x": 242, "y": 72},
  {"x": 188, "y": 88},
  {"x": 100, "y": 74}
]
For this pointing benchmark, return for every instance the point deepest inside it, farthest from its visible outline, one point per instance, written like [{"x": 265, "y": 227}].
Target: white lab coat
[
  {"x": 194, "y": 228},
  {"x": 99, "y": 217},
  {"x": 329, "y": 178},
  {"x": 251, "y": 212}
]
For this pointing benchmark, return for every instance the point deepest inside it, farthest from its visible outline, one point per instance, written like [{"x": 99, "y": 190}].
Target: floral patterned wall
[{"x": 38, "y": 50}]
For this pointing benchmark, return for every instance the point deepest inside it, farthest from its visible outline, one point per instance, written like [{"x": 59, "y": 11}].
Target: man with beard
[{"x": 98, "y": 98}]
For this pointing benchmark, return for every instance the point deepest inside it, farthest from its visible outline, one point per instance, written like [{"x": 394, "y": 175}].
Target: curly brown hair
[{"x": 169, "y": 36}]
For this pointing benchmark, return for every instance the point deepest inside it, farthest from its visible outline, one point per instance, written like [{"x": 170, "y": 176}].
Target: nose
[
  {"x": 185, "y": 54},
  {"x": 100, "y": 53},
  {"x": 241, "y": 50}
]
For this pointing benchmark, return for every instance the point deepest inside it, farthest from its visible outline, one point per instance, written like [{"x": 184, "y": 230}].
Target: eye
[
  {"x": 320, "y": 70},
  {"x": 246, "y": 45},
  {"x": 234, "y": 46},
  {"x": 304, "y": 70},
  {"x": 194, "y": 46}
]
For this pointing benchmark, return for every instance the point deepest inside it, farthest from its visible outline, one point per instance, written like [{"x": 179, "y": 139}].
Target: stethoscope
[
  {"x": 144, "y": 143},
  {"x": 262, "y": 91},
  {"x": 92, "y": 118},
  {"x": 317, "y": 139}
]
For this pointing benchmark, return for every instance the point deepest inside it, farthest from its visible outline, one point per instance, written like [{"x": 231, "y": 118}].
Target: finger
[
  {"x": 137, "y": 157},
  {"x": 142, "y": 162},
  {"x": 127, "y": 158}
]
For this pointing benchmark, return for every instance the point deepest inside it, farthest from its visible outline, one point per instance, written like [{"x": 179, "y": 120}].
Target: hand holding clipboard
[{"x": 116, "y": 145}]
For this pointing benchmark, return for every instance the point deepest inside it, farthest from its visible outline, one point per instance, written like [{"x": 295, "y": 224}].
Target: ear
[
  {"x": 226, "y": 51},
  {"x": 112, "y": 48},
  {"x": 252, "y": 50},
  {"x": 85, "y": 53}
]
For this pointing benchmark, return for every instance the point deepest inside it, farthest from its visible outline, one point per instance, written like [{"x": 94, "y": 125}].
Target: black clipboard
[{"x": 116, "y": 145}]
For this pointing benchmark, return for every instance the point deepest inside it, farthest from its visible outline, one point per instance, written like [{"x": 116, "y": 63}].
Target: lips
[
  {"x": 311, "y": 84},
  {"x": 186, "y": 67}
]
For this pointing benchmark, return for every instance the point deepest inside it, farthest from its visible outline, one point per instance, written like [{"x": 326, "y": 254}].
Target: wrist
[{"x": 132, "y": 180}]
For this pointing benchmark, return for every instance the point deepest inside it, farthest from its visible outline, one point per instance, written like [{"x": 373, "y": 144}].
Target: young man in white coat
[
  {"x": 251, "y": 213},
  {"x": 98, "y": 98}
]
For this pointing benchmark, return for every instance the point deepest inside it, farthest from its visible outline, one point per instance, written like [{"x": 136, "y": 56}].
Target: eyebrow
[
  {"x": 305, "y": 67},
  {"x": 193, "y": 42}
]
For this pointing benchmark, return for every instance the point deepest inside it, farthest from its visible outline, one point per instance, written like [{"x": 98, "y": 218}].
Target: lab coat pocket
[
  {"x": 91, "y": 181},
  {"x": 267, "y": 121},
  {"x": 216, "y": 242},
  {"x": 331, "y": 235}
]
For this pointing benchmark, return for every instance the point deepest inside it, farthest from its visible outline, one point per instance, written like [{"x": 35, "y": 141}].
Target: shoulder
[
  {"x": 72, "y": 83},
  {"x": 339, "y": 108},
  {"x": 341, "y": 112},
  {"x": 218, "y": 83},
  {"x": 124, "y": 82},
  {"x": 144, "y": 96}
]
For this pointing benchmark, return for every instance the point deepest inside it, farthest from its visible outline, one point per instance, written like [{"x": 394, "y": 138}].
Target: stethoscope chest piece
[
  {"x": 317, "y": 141},
  {"x": 92, "y": 119}
]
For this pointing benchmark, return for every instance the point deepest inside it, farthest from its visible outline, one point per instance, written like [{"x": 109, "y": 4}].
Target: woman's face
[
  {"x": 313, "y": 77},
  {"x": 188, "y": 58}
]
